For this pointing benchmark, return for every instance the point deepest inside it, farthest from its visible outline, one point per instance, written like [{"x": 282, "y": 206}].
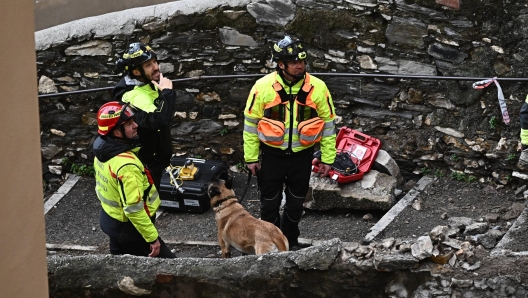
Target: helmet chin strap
[
  {"x": 123, "y": 134},
  {"x": 296, "y": 77}
]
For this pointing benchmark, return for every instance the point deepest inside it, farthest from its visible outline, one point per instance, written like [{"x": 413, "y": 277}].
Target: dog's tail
[{"x": 281, "y": 242}]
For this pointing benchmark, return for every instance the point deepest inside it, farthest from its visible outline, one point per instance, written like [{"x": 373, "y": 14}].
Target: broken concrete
[{"x": 376, "y": 190}]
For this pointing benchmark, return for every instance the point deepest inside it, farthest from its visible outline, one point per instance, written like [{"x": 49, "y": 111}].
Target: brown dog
[{"x": 238, "y": 228}]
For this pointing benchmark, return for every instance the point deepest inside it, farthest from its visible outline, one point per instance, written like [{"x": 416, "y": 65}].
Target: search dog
[{"x": 238, "y": 228}]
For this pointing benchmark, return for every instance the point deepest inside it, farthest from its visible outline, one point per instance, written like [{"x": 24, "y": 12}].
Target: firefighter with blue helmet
[
  {"x": 151, "y": 94},
  {"x": 287, "y": 113}
]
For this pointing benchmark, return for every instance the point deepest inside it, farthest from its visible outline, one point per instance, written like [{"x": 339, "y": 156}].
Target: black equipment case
[{"x": 190, "y": 195}]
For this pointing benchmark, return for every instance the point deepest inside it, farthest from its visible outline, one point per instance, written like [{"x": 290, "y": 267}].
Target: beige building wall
[
  {"x": 49, "y": 13},
  {"x": 23, "y": 269}
]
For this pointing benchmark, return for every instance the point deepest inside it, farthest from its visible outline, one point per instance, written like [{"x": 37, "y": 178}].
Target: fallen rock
[
  {"x": 375, "y": 191},
  {"x": 423, "y": 248}
]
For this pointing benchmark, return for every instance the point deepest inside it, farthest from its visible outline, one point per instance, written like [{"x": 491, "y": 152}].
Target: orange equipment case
[{"x": 363, "y": 150}]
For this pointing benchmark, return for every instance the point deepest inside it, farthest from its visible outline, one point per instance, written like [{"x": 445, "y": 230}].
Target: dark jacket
[
  {"x": 155, "y": 110},
  {"x": 104, "y": 148}
]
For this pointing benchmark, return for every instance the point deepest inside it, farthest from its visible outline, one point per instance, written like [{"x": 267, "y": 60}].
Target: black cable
[{"x": 330, "y": 74}]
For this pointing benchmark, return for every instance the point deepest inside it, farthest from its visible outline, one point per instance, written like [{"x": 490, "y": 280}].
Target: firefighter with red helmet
[
  {"x": 128, "y": 197},
  {"x": 287, "y": 113},
  {"x": 151, "y": 94}
]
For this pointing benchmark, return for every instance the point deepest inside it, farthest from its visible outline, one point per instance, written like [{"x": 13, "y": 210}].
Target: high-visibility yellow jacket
[
  {"x": 126, "y": 193},
  {"x": 523, "y": 116},
  {"x": 271, "y": 98}
]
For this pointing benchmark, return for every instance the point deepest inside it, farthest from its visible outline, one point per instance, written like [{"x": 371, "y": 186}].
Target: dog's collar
[{"x": 223, "y": 200}]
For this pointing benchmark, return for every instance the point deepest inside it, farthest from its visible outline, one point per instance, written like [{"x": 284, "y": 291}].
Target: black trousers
[
  {"x": 289, "y": 173},
  {"x": 125, "y": 239}
]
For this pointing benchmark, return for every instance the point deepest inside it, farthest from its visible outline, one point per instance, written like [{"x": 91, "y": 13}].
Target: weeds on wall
[
  {"x": 463, "y": 177},
  {"x": 79, "y": 170}
]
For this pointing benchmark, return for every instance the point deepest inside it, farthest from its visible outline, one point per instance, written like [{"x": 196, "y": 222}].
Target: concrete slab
[
  {"x": 375, "y": 191},
  {"x": 397, "y": 209},
  {"x": 61, "y": 192},
  {"x": 515, "y": 241}
]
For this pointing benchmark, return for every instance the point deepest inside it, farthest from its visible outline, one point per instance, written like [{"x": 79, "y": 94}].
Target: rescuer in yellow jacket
[
  {"x": 286, "y": 114},
  {"x": 124, "y": 187}
]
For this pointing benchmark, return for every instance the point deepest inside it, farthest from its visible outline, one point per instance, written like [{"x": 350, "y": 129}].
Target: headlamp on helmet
[
  {"x": 288, "y": 50},
  {"x": 113, "y": 114}
]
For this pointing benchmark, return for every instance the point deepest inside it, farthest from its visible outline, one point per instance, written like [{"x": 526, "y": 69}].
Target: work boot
[{"x": 522, "y": 164}]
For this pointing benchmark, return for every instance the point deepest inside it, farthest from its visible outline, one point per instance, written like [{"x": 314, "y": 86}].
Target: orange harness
[{"x": 271, "y": 128}]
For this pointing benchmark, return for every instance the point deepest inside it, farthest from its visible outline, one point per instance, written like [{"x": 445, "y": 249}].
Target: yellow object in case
[{"x": 188, "y": 171}]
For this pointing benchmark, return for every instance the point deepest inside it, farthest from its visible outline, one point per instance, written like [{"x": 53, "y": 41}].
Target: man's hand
[
  {"x": 324, "y": 169},
  {"x": 253, "y": 168},
  {"x": 154, "y": 249},
  {"x": 164, "y": 83}
]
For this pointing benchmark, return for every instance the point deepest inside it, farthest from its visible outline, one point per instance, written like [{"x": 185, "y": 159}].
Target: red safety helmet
[{"x": 112, "y": 114}]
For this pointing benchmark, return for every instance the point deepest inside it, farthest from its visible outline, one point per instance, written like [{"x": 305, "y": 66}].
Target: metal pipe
[{"x": 329, "y": 74}]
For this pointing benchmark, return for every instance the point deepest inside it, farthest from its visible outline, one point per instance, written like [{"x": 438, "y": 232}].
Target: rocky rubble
[{"x": 433, "y": 265}]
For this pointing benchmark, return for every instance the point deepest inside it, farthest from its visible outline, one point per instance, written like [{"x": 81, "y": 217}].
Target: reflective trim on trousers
[
  {"x": 297, "y": 214},
  {"x": 265, "y": 206}
]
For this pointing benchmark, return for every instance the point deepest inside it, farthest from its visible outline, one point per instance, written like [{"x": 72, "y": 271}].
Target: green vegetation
[
  {"x": 439, "y": 173},
  {"x": 511, "y": 157},
  {"x": 223, "y": 131},
  {"x": 80, "y": 170},
  {"x": 493, "y": 122},
  {"x": 425, "y": 170},
  {"x": 463, "y": 177},
  {"x": 454, "y": 157},
  {"x": 242, "y": 167}
]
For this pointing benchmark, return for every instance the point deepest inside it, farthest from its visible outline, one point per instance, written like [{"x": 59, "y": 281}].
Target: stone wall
[
  {"x": 330, "y": 269},
  {"x": 426, "y": 125}
]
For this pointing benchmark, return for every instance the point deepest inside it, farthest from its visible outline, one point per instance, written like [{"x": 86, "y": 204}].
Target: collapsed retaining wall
[
  {"x": 438, "y": 126},
  {"x": 329, "y": 269}
]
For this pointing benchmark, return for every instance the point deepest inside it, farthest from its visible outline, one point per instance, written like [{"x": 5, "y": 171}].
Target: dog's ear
[
  {"x": 229, "y": 182},
  {"x": 213, "y": 191}
]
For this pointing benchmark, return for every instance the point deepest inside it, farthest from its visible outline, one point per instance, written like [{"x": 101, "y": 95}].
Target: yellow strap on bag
[
  {"x": 271, "y": 131},
  {"x": 311, "y": 131}
]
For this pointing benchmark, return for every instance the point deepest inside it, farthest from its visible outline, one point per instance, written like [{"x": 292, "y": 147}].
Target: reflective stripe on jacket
[
  {"x": 265, "y": 101},
  {"x": 523, "y": 117},
  {"x": 125, "y": 192}
]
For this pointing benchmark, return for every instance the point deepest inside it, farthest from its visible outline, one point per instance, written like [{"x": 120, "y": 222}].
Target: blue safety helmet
[
  {"x": 288, "y": 50},
  {"x": 136, "y": 54}
]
